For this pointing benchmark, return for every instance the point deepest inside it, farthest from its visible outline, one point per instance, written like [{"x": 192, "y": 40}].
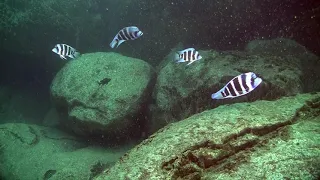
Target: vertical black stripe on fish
[
  {"x": 123, "y": 37},
  {"x": 135, "y": 34},
  {"x": 223, "y": 94},
  {"x": 185, "y": 57},
  {"x": 59, "y": 49},
  {"x": 226, "y": 91},
  {"x": 252, "y": 81},
  {"x": 190, "y": 55},
  {"x": 244, "y": 83},
  {"x": 131, "y": 34},
  {"x": 63, "y": 50},
  {"x": 119, "y": 37},
  {"x": 237, "y": 85},
  {"x": 231, "y": 90},
  {"x": 126, "y": 34},
  {"x": 68, "y": 50},
  {"x": 195, "y": 55}
]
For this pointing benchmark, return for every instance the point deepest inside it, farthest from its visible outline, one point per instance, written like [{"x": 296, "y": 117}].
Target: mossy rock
[
  {"x": 183, "y": 90},
  {"x": 102, "y": 93},
  {"x": 259, "y": 140},
  {"x": 35, "y": 152}
]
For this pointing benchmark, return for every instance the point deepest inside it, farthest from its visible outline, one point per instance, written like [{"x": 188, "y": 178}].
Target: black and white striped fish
[
  {"x": 64, "y": 51},
  {"x": 188, "y": 55},
  {"x": 238, "y": 86},
  {"x": 127, "y": 33}
]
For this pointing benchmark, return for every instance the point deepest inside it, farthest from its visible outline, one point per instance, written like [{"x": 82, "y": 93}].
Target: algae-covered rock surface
[
  {"x": 32, "y": 152},
  {"x": 102, "y": 93},
  {"x": 183, "y": 90},
  {"x": 259, "y": 140},
  {"x": 279, "y": 47}
]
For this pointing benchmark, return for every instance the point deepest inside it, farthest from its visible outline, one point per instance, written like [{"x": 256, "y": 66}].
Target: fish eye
[{"x": 253, "y": 76}]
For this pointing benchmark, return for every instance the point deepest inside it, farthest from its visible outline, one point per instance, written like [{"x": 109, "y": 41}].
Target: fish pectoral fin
[
  {"x": 190, "y": 63},
  {"x": 71, "y": 56},
  {"x": 180, "y": 61},
  {"x": 119, "y": 42},
  {"x": 63, "y": 57}
]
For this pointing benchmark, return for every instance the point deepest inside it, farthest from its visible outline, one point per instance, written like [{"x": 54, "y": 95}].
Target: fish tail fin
[
  {"x": 76, "y": 54},
  {"x": 113, "y": 43},
  {"x": 176, "y": 57},
  {"x": 217, "y": 95}
]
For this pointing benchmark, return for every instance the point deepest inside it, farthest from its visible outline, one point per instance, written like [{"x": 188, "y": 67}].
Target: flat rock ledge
[{"x": 260, "y": 140}]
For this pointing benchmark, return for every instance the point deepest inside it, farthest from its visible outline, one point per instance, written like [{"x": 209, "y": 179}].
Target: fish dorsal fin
[
  {"x": 133, "y": 28},
  {"x": 189, "y": 49}
]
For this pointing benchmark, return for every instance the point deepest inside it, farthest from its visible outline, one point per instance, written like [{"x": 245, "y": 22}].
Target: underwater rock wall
[
  {"x": 286, "y": 67},
  {"x": 259, "y": 140},
  {"x": 109, "y": 95}
]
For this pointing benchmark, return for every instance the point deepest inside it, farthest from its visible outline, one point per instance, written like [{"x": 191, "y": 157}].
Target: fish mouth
[
  {"x": 54, "y": 50},
  {"x": 257, "y": 81}
]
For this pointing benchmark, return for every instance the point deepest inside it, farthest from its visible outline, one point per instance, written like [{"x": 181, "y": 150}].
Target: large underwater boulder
[
  {"x": 310, "y": 63},
  {"x": 279, "y": 47},
  {"x": 258, "y": 140},
  {"x": 103, "y": 94},
  {"x": 183, "y": 90},
  {"x": 32, "y": 152}
]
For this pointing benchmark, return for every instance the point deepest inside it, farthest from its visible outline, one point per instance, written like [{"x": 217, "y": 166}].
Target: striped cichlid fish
[
  {"x": 64, "y": 51},
  {"x": 238, "y": 86},
  {"x": 127, "y": 33},
  {"x": 188, "y": 55}
]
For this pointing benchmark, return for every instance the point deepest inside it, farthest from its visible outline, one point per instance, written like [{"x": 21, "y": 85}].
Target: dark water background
[
  {"x": 30, "y": 29},
  {"x": 28, "y": 63}
]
